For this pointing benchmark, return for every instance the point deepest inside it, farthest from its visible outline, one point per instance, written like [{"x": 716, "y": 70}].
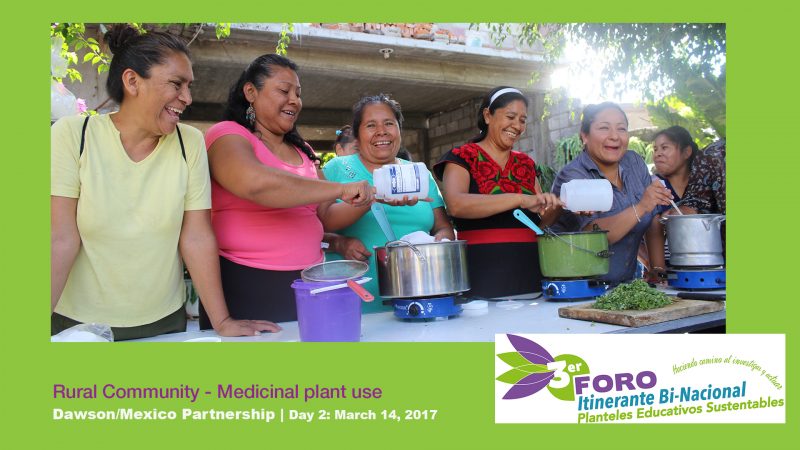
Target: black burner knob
[
  {"x": 550, "y": 291},
  {"x": 414, "y": 310}
]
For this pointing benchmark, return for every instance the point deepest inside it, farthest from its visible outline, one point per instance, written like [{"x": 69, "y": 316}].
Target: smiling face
[
  {"x": 607, "y": 140},
  {"x": 378, "y": 134},
  {"x": 506, "y": 124},
  {"x": 667, "y": 157},
  {"x": 165, "y": 94},
  {"x": 277, "y": 103}
]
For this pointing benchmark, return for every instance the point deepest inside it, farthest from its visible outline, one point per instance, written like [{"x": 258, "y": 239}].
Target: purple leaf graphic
[
  {"x": 530, "y": 350},
  {"x": 529, "y": 385}
]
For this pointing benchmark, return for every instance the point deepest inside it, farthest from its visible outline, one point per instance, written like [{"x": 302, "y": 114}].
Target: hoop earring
[{"x": 250, "y": 115}]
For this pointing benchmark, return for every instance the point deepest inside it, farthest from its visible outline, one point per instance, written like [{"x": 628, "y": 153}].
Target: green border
[{"x": 457, "y": 379}]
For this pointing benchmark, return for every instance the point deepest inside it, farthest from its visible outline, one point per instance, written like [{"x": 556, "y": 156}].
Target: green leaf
[
  {"x": 87, "y": 57},
  {"x": 91, "y": 41},
  {"x": 512, "y": 376},
  {"x": 534, "y": 368},
  {"x": 96, "y": 59},
  {"x": 74, "y": 75},
  {"x": 513, "y": 359}
]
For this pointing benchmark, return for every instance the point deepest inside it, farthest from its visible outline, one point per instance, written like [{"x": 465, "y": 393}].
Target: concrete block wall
[
  {"x": 452, "y": 128},
  {"x": 449, "y": 129},
  {"x": 564, "y": 120}
]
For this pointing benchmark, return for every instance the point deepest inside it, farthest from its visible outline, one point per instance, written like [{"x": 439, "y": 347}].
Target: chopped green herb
[{"x": 635, "y": 295}]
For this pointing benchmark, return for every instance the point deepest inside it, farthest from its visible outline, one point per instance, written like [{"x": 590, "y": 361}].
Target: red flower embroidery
[
  {"x": 468, "y": 153},
  {"x": 509, "y": 186},
  {"x": 519, "y": 175},
  {"x": 486, "y": 186},
  {"x": 522, "y": 172},
  {"x": 486, "y": 169}
]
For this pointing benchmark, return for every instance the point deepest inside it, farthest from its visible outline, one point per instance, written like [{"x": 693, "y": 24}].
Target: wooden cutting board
[{"x": 679, "y": 309}]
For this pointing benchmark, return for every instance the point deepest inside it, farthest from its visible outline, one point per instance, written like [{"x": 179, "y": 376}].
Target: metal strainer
[{"x": 344, "y": 270}]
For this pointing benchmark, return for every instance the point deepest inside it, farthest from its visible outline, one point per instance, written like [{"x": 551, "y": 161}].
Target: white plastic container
[
  {"x": 587, "y": 195},
  {"x": 393, "y": 181}
]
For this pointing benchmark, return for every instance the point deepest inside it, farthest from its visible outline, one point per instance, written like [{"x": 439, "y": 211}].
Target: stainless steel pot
[
  {"x": 422, "y": 270},
  {"x": 694, "y": 239}
]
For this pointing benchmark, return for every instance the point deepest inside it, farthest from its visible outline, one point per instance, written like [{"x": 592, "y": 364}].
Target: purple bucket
[{"x": 332, "y": 316}]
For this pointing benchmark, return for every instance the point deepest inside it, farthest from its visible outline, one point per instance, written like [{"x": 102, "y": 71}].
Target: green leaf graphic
[
  {"x": 512, "y": 376},
  {"x": 513, "y": 359},
  {"x": 534, "y": 368}
]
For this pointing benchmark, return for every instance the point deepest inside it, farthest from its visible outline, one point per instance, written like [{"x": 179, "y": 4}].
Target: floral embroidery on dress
[
  {"x": 519, "y": 176},
  {"x": 706, "y": 189}
]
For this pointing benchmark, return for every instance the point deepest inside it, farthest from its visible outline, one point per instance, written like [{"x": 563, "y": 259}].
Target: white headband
[{"x": 503, "y": 91}]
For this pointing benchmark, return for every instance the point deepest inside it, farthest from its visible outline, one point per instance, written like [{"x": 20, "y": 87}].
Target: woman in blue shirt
[{"x": 604, "y": 132}]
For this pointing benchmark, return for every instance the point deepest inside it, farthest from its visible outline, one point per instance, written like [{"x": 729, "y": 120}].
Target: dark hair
[
  {"x": 590, "y": 112},
  {"x": 681, "y": 137},
  {"x": 138, "y": 52},
  {"x": 403, "y": 153},
  {"x": 358, "y": 110},
  {"x": 344, "y": 135},
  {"x": 258, "y": 71},
  {"x": 499, "y": 102}
]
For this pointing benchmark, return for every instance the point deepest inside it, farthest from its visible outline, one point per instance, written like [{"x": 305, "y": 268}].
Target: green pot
[{"x": 574, "y": 255}]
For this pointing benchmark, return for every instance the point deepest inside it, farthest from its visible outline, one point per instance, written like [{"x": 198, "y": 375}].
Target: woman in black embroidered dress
[{"x": 484, "y": 181}]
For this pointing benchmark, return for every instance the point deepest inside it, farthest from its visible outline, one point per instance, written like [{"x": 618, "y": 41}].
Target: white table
[{"x": 530, "y": 315}]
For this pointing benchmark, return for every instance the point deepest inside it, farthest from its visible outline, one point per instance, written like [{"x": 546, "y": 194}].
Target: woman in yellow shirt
[{"x": 130, "y": 198}]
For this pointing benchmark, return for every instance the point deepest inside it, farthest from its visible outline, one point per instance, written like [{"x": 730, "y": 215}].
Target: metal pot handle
[
  {"x": 401, "y": 243},
  {"x": 714, "y": 221}
]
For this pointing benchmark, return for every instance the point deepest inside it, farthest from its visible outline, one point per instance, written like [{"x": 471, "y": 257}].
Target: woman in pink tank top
[{"x": 265, "y": 192}]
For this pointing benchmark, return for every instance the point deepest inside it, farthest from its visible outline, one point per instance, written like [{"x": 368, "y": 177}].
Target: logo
[{"x": 533, "y": 369}]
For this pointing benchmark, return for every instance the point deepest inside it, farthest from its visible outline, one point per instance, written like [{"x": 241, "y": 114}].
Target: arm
[
  {"x": 338, "y": 215},
  {"x": 654, "y": 238},
  {"x": 442, "y": 228},
  {"x": 348, "y": 247},
  {"x": 65, "y": 242},
  {"x": 460, "y": 203},
  {"x": 198, "y": 248},
  {"x": 551, "y": 213},
  {"x": 235, "y": 167},
  {"x": 624, "y": 221}
]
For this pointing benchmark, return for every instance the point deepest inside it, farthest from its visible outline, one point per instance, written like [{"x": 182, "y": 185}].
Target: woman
[
  {"x": 484, "y": 181},
  {"x": 345, "y": 141},
  {"x": 604, "y": 132},
  {"x": 377, "y": 121},
  {"x": 130, "y": 198},
  {"x": 696, "y": 181},
  {"x": 265, "y": 191}
]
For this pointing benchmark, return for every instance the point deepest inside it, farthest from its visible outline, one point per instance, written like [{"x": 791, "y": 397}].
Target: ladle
[
  {"x": 672, "y": 202},
  {"x": 383, "y": 221},
  {"x": 519, "y": 215}
]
